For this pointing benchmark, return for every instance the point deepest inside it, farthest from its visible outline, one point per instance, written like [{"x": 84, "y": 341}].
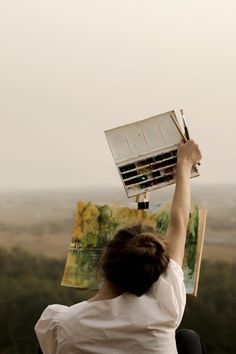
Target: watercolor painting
[{"x": 97, "y": 223}]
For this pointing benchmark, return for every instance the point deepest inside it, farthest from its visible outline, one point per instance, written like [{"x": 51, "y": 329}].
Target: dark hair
[{"x": 134, "y": 259}]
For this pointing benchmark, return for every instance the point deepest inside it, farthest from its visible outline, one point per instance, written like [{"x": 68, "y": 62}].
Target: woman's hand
[{"x": 188, "y": 153}]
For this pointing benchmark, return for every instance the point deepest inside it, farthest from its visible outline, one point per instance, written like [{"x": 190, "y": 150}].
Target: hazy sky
[{"x": 71, "y": 69}]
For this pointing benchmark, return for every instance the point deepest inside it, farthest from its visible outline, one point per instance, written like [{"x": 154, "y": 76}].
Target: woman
[{"x": 142, "y": 299}]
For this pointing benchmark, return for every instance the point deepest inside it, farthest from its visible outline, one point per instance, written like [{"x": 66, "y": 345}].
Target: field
[
  {"x": 35, "y": 233},
  {"x": 42, "y": 222}
]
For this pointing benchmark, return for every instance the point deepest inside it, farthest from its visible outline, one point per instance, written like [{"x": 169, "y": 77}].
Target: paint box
[{"x": 145, "y": 152}]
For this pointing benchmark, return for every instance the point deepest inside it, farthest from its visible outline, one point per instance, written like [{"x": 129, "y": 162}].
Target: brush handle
[{"x": 186, "y": 133}]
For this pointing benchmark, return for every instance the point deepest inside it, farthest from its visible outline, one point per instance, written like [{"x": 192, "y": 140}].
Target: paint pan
[
  {"x": 127, "y": 167},
  {"x": 129, "y": 174}
]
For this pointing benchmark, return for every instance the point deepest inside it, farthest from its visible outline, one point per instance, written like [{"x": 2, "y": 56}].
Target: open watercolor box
[{"x": 145, "y": 152}]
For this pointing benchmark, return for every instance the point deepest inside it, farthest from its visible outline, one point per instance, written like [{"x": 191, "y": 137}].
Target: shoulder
[
  {"x": 49, "y": 324},
  {"x": 53, "y": 314},
  {"x": 52, "y": 311},
  {"x": 49, "y": 318},
  {"x": 173, "y": 272},
  {"x": 173, "y": 276},
  {"x": 46, "y": 328},
  {"x": 170, "y": 290}
]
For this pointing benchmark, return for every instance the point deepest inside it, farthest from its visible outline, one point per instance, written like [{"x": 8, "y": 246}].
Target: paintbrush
[
  {"x": 186, "y": 133},
  {"x": 185, "y": 125}
]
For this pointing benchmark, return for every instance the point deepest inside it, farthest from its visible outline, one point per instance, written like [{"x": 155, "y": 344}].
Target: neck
[{"x": 107, "y": 291}]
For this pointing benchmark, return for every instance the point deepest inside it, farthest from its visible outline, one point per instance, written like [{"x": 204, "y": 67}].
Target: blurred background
[{"x": 69, "y": 71}]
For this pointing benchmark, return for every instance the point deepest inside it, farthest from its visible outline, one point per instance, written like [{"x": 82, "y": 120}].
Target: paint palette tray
[{"x": 145, "y": 152}]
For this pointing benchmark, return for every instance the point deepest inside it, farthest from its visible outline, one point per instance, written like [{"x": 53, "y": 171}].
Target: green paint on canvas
[{"x": 96, "y": 224}]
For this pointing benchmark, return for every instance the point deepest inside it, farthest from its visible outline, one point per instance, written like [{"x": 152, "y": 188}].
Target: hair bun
[
  {"x": 147, "y": 243},
  {"x": 135, "y": 258}
]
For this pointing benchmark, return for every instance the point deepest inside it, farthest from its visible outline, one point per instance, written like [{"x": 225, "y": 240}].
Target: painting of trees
[{"x": 97, "y": 224}]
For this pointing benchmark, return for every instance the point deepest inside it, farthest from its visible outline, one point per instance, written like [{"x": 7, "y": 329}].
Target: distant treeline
[
  {"x": 38, "y": 229},
  {"x": 28, "y": 284}
]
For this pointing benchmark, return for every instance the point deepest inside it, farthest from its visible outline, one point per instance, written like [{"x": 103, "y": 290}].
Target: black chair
[{"x": 189, "y": 342}]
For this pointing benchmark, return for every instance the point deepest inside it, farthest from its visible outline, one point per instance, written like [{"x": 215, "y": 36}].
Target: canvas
[
  {"x": 97, "y": 223},
  {"x": 145, "y": 152}
]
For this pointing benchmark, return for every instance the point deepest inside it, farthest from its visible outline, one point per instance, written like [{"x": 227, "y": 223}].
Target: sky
[{"x": 71, "y": 69}]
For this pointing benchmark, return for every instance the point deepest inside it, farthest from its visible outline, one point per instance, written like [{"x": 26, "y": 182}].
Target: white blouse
[{"x": 126, "y": 324}]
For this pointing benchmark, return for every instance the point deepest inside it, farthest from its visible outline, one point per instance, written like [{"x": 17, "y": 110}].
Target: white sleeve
[
  {"x": 170, "y": 291},
  {"x": 46, "y": 328},
  {"x": 175, "y": 277}
]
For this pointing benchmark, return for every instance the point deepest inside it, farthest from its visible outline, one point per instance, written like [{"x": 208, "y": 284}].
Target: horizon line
[{"x": 99, "y": 187}]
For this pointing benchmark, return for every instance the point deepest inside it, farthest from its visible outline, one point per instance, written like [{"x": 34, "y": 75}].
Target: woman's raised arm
[{"x": 188, "y": 155}]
